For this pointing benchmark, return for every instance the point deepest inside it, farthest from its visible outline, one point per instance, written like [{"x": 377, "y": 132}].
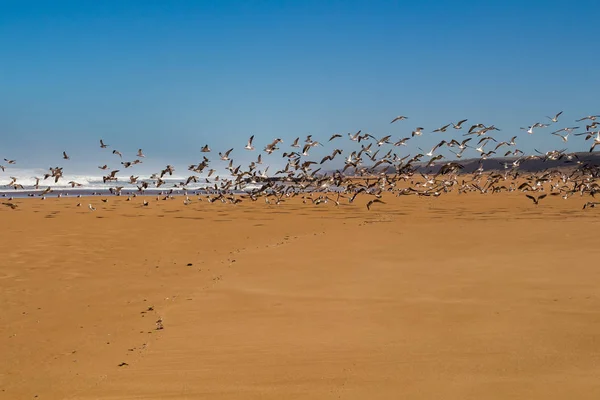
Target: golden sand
[{"x": 459, "y": 297}]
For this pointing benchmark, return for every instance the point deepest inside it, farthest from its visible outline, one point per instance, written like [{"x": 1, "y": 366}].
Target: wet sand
[{"x": 459, "y": 297}]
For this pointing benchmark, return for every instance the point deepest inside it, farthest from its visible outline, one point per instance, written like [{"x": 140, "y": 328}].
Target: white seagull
[
  {"x": 555, "y": 118},
  {"x": 249, "y": 145},
  {"x": 399, "y": 118}
]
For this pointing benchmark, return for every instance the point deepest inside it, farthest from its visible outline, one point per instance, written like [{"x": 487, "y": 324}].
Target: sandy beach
[
  {"x": 466, "y": 297},
  {"x": 285, "y": 200}
]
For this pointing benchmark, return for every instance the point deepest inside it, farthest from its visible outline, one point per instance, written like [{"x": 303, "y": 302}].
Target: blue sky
[{"x": 170, "y": 76}]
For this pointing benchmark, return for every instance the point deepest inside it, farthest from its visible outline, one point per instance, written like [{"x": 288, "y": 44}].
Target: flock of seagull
[{"x": 372, "y": 168}]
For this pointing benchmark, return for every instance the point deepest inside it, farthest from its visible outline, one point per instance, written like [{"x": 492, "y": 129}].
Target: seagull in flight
[
  {"x": 249, "y": 145},
  {"x": 590, "y": 117},
  {"x": 417, "y": 132},
  {"x": 536, "y": 201},
  {"x": 65, "y": 156},
  {"x": 140, "y": 154},
  {"x": 530, "y": 129},
  {"x": 402, "y": 142},
  {"x": 118, "y": 153},
  {"x": 564, "y": 138},
  {"x": 102, "y": 145},
  {"x": 225, "y": 157},
  {"x": 271, "y": 147},
  {"x": 355, "y": 137},
  {"x": 430, "y": 154},
  {"x": 458, "y": 124},
  {"x": 596, "y": 141},
  {"x": 555, "y": 118},
  {"x": 443, "y": 128},
  {"x": 371, "y": 202},
  {"x": 399, "y": 118},
  {"x": 462, "y": 145},
  {"x": 383, "y": 140},
  {"x": 590, "y": 204},
  {"x": 571, "y": 129},
  {"x": 205, "y": 149}
]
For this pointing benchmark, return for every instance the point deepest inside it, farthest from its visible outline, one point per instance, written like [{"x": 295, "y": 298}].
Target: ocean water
[{"x": 94, "y": 185}]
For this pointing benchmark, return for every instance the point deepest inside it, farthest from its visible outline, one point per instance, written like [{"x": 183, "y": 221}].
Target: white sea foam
[{"x": 27, "y": 178}]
